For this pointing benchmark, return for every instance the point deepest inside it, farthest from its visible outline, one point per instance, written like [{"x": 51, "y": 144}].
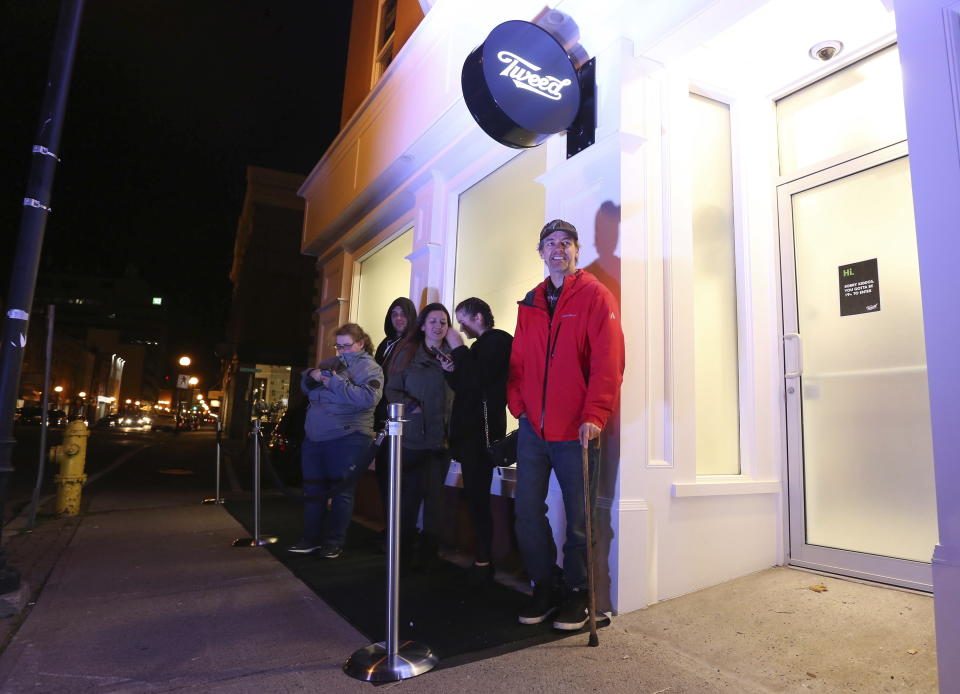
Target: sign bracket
[{"x": 583, "y": 131}]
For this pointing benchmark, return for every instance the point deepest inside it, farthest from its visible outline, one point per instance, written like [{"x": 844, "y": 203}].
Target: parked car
[
  {"x": 125, "y": 421},
  {"x": 284, "y": 441},
  {"x": 34, "y": 415},
  {"x": 163, "y": 422}
]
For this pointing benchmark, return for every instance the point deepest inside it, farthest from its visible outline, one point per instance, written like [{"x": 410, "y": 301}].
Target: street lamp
[{"x": 58, "y": 390}]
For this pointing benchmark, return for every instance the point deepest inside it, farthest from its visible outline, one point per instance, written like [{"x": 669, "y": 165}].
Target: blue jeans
[
  {"x": 324, "y": 463},
  {"x": 535, "y": 459}
]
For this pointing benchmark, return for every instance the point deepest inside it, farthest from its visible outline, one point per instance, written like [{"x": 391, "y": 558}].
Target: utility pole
[{"x": 33, "y": 223}]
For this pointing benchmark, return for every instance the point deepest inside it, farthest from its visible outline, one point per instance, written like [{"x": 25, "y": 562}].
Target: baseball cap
[{"x": 559, "y": 225}]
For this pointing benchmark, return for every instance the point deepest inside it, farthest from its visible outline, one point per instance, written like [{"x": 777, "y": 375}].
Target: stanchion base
[
  {"x": 371, "y": 663},
  {"x": 212, "y": 501},
  {"x": 254, "y": 542}
]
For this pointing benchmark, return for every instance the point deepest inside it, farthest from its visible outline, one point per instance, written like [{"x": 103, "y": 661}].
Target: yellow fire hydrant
[{"x": 71, "y": 455}]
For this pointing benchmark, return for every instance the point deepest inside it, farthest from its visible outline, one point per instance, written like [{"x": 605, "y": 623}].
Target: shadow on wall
[{"x": 606, "y": 268}]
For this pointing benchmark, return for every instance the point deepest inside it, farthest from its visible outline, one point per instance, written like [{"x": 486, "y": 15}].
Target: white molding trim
[
  {"x": 731, "y": 487},
  {"x": 429, "y": 248},
  {"x": 631, "y": 505},
  {"x": 946, "y": 555}
]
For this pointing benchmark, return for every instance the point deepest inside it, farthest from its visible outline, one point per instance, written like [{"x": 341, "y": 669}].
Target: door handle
[{"x": 794, "y": 336}]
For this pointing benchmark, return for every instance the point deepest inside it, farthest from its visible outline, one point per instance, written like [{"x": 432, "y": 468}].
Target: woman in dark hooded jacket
[{"x": 401, "y": 316}]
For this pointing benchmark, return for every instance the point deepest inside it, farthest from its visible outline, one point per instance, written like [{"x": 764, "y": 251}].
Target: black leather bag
[{"x": 502, "y": 453}]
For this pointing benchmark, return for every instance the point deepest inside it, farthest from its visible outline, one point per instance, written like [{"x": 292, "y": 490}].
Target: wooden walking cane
[{"x": 591, "y": 586}]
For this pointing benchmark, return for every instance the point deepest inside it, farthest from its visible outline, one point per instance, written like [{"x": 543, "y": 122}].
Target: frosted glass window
[
  {"x": 716, "y": 372},
  {"x": 384, "y": 275},
  {"x": 498, "y": 229},
  {"x": 859, "y": 108}
]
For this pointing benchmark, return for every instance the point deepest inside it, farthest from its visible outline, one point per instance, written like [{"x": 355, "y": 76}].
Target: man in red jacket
[{"x": 566, "y": 367}]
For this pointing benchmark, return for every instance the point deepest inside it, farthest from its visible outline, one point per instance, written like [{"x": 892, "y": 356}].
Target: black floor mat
[{"x": 459, "y": 624}]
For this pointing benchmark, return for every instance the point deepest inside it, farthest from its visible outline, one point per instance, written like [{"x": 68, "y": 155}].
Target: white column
[
  {"x": 429, "y": 240},
  {"x": 929, "y": 39},
  {"x": 621, "y": 171}
]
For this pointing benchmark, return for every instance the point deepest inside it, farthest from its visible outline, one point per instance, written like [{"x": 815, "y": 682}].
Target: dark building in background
[
  {"x": 270, "y": 325},
  {"x": 110, "y": 337}
]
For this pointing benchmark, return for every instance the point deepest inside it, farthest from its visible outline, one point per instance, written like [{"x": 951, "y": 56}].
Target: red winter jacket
[{"x": 580, "y": 382}]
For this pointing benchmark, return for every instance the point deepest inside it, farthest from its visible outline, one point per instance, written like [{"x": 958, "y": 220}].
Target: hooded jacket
[
  {"x": 345, "y": 405},
  {"x": 387, "y": 349},
  {"x": 421, "y": 384},
  {"x": 566, "y": 369}
]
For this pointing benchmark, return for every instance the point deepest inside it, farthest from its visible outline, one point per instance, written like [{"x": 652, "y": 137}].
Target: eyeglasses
[{"x": 340, "y": 347}]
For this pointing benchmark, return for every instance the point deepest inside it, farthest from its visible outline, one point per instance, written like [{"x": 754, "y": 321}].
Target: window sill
[{"x": 724, "y": 487}]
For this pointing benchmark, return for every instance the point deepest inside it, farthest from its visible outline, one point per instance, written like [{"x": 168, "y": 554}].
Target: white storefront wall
[{"x": 412, "y": 149}]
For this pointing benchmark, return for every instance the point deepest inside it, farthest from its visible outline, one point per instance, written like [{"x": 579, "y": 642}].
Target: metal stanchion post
[
  {"x": 217, "y": 499},
  {"x": 44, "y": 415},
  {"x": 257, "y": 540},
  {"x": 389, "y": 661}
]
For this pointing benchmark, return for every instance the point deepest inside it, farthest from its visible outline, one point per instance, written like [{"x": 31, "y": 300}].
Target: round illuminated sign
[{"x": 520, "y": 85}]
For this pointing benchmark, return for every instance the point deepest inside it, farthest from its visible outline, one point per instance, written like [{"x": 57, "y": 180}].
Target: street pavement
[{"x": 144, "y": 593}]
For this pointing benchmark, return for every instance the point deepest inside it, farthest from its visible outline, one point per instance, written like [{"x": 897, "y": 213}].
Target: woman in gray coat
[
  {"x": 343, "y": 393},
  {"x": 416, "y": 379}
]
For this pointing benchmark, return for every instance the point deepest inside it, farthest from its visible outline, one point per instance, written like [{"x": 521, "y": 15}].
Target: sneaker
[
  {"x": 303, "y": 547},
  {"x": 573, "y": 613},
  {"x": 331, "y": 552},
  {"x": 546, "y": 599}
]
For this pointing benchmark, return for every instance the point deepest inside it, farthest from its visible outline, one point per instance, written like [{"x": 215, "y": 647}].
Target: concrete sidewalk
[{"x": 149, "y": 596}]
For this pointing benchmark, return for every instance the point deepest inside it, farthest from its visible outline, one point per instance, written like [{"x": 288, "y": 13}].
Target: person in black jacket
[
  {"x": 401, "y": 316},
  {"x": 478, "y": 377}
]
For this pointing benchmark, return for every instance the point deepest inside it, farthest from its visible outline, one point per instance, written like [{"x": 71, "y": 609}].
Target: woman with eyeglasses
[
  {"x": 416, "y": 379},
  {"x": 343, "y": 393}
]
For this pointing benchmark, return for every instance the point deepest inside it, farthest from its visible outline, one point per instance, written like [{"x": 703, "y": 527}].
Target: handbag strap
[{"x": 486, "y": 424}]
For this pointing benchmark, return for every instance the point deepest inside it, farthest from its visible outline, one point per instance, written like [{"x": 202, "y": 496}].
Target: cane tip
[{"x": 594, "y": 641}]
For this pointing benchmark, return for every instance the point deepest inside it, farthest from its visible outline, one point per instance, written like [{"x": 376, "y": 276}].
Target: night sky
[{"x": 170, "y": 100}]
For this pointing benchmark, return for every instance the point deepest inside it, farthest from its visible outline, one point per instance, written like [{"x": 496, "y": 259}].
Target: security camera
[{"x": 825, "y": 50}]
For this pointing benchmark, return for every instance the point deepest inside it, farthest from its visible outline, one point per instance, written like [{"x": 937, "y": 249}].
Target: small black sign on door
[{"x": 859, "y": 288}]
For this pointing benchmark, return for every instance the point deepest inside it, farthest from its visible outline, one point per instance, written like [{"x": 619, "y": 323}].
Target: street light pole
[
  {"x": 183, "y": 361},
  {"x": 33, "y": 222}
]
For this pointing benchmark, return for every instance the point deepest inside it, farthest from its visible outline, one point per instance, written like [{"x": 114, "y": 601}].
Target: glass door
[{"x": 860, "y": 461}]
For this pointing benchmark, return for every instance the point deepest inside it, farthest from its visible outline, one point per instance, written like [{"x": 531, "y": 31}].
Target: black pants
[
  {"x": 421, "y": 481},
  {"x": 477, "y": 475}
]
